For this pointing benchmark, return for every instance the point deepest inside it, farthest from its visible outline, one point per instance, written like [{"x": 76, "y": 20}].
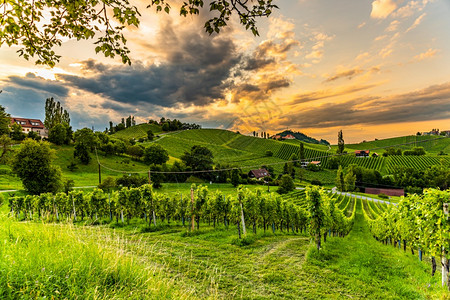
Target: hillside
[
  {"x": 303, "y": 137},
  {"x": 431, "y": 144},
  {"x": 138, "y": 131},
  {"x": 246, "y": 152}
]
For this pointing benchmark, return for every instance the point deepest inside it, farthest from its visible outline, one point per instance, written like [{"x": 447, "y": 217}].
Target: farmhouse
[
  {"x": 258, "y": 174},
  {"x": 276, "y": 137},
  {"x": 28, "y": 125},
  {"x": 362, "y": 153},
  {"x": 289, "y": 137}
]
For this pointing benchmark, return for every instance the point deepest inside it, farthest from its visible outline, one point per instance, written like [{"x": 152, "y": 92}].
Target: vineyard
[
  {"x": 415, "y": 162},
  {"x": 430, "y": 143},
  {"x": 261, "y": 210},
  {"x": 420, "y": 222},
  {"x": 375, "y": 163}
]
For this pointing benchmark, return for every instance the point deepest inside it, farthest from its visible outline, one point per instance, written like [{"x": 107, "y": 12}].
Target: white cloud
[{"x": 416, "y": 22}]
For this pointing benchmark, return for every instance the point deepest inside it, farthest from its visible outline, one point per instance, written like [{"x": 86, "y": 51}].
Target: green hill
[
  {"x": 431, "y": 144},
  {"x": 138, "y": 131}
]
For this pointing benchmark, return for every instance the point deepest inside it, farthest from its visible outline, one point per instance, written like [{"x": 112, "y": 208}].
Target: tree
[
  {"x": 268, "y": 153},
  {"x": 340, "y": 179},
  {"x": 55, "y": 114},
  {"x": 302, "y": 151},
  {"x": 81, "y": 151},
  {"x": 33, "y": 164},
  {"x": 316, "y": 213},
  {"x": 235, "y": 177},
  {"x": 286, "y": 184},
  {"x": 57, "y": 134},
  {"x": 5, "y": 143},
  {"x": 87, "y": 137},
  {"x": 150, "y": 135},
  {"x": 136, "y": 151},
  {"x": 34, "y": 135},
  {"x": 24, "y": 24},
  {"x": 341, "y": 145},
  {"x": 17, "y": 134},
  {"x": 155, "y": 154},
  {"x": 199, "y": 158},
  {"x": 5, "y": 121},
  {"x": 349, "y": 181}
]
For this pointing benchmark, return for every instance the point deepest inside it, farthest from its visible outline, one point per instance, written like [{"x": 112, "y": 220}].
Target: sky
[{"x": 371, "y": 68}]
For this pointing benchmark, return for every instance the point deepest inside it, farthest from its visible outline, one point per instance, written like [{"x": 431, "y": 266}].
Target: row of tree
[
  {"x": 254, "y": 208},
  {"x": 420, "y": 221}
]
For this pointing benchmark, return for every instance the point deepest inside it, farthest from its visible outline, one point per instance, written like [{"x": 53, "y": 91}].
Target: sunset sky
[{"x": 374, "y": 69}]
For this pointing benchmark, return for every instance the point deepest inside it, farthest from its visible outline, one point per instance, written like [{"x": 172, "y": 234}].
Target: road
[{"x": 357, "y": 196}]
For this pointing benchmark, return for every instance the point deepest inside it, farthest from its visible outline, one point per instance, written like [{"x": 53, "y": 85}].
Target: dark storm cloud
[
  {"x": 31, "y": 81},
  {"x": 195, "y": 72},
  {"x": 20, "y": 102},
  {"x": 432, "y": 103}
]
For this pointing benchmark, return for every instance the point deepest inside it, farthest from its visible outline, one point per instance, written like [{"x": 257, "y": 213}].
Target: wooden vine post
[
  {"x": 444, "y": 260},
  {"x": 244, "y": 231},
  {"x": 193, "y": 214}
]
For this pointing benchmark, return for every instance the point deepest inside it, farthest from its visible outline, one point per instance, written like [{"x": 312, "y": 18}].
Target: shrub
[
  {"x": 383, "y": 196},
  {"x": 107, "y": 184},
  {"x": 316, "y": 182},
  {"x": 133, "y": 180},
  {"x": 269, "y": 153}
]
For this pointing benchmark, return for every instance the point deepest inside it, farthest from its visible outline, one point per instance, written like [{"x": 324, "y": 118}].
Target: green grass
[
  {"x": 360, "y": 267},
  {"x": 66, "y": 261}
]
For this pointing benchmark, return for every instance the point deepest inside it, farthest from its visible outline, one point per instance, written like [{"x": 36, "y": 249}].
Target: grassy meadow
[{"x": 62, "y": 260}]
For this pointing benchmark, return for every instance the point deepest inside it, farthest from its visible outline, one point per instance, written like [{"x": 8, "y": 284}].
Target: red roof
[
  {"x": 28, "y": 123},
  {"x": 289, "y": 137},
  {"x": 259, "y": 173},
  {"x": 362, "y": 151}
]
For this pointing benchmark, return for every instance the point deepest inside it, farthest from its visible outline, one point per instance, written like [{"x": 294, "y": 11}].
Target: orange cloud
[
  {"x": 428, "y": 54},
  {"x": 381, "y": 9}
]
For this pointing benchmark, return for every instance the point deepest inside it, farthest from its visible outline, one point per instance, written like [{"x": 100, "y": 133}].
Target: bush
[
  {"x": 269, "y": 153},
  {"x": 133, "y": 180},
  {"x": 383, "y": 196},
  {"x": 193, "y": 179},
  {"x": 107, "y": 184},
  {"x": 286, "y": 184},
  {"x": 316, "y": 182}
]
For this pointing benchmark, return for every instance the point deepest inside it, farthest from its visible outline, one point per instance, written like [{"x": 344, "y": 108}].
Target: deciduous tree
[
  {"x": 33, "y": 164},
  {"x": 39, "y": 26}
]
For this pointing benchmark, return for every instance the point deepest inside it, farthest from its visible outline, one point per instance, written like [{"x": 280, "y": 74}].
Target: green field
[
  {"x": 236, "y": 150},
  {"x": 39, "y": 260}
]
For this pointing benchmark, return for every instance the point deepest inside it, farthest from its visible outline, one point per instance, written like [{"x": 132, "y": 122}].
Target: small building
[
  {"x": 389, "y": 192},
  {"x": 304, "y": 164},
  {"x": 258, "y": 174},
  {"x": 276, "y": 137},
  {"x": 362, "y": 153},
  {"x": 289, "y": 137},
  {"x": 28, "y": 125}
]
